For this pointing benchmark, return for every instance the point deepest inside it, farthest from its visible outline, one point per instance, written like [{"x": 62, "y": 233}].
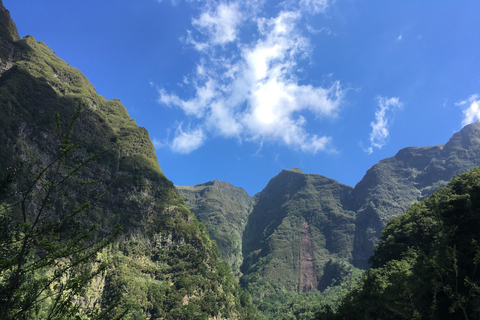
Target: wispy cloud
[
  {"x": 250, "y": 91},
  {"x": 220, "y": 25},
  {"x": 158, "y": 143},
  {"x": 325, "y": 30},
  {"x": 383, "y": 115},
  {"x": 315, "y": 6},
  {"x": 472, "y": 111},
  {"x": 196, "y": 106},
  {"x": 187, "y": 141}
]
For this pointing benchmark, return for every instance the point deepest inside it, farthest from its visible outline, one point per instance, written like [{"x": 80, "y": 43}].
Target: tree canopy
[{"x": 426, "y": 264}]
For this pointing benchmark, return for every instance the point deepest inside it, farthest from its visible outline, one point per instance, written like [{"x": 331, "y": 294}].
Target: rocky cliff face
[
  {"x": 224, "y": 210},
  {"x": 164, "y": 265},
  {"x": 299, "y": 223},
  {"x": 303, "y": 227},
  {"x": 393, "y": 184}
]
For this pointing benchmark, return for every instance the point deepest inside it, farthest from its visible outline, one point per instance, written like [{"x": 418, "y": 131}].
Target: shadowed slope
[
  {"x": 224, "y": 209},
  {"x": 164, "y": 265}
]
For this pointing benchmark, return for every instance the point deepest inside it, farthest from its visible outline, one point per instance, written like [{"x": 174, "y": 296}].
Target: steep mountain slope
[
  {"x": 298, "y": 224},
  {"x": 426, "y": 264},
  {"x": 224, "y": 209},
  {"x": 164, "y": 266},
  {"x": 393, "y": 184},
  {"x": 306, "y": 230}
]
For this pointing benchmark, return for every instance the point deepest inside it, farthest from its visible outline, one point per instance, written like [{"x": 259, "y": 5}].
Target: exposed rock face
[
  {"x": 298, "y": 223},
  {"x": 308, "y": 279},
  {"x": 393, "y": 184}
]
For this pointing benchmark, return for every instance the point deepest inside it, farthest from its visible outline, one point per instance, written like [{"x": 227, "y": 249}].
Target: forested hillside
[
  {"x": 73, "y": 167},
  {"x": 426, "y": 264},
  {"x": 298, "y": 224},
  {"x": 90, "y": 227},
  {"x": 224, "y": 209},
  {"x": 310, "y": 234},
  {"x": 393, "y": 184}
]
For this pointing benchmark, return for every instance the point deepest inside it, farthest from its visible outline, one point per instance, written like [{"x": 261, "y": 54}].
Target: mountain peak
[
  {"x": 298, "y": 170},
  {"x": 466, "y": 138},
  {"x": 8, "y": 29}
]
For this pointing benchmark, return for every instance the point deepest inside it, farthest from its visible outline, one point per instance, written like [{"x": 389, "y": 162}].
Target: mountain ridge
[
  {"x": 164, "y": 256},
  {"x": 290, "y": 234},
  {"x": 223, "y": 208},
  {"x": 413, "y": 173}
]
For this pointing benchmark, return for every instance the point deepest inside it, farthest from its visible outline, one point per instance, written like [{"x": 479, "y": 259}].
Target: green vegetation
[
  {"x": 291, "y": 305},
  {"x": 47, "y": 262},
  {"x": 298, "y": 224},
  {"x": 300, "y": 234},
  {"x": 297, "y": 244},
  {"x": 393, "y": 184},
  {"x": 295, "y": 247},
  {"x": 224, "y": 210},
  {"x": 426, "y": 265},
  {"x": 164, "y": 265}
]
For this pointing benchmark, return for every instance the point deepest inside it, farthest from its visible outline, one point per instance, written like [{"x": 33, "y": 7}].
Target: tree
[
  {"x": 427, "y": 263},
  {"x": 47, "y": 255}
]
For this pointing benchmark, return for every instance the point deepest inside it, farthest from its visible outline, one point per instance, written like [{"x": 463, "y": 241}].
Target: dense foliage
[
  {"x": 290, "y": 306},
  {"x": 393, "y": 184},
  {"x": 298, "y": 224},
  {"x": 426, "y": 265},
  {"x": 47, "y": 260},
  {"x": 301, "y": 238},
  {"x": 164, "y": 265},
  {"x": 224, "y": 210}
]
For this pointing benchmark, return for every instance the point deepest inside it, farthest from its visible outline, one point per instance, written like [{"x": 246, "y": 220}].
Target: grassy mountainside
[
  {"x": 305, "y": 231},
  {"x": 164, "y": 266},
  {"x": 426, "y": 264},
  {"x": 224, "y": 209},
  {"x": 298, "y": 224},
  {"x": 294, "y": 240},
  {"x": 393, "y": 184}
]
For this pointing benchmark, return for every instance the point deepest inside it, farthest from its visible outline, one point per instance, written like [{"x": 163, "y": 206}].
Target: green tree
[
  {"x": 427, "y": 265},
  {"x": 47, "y": 255}
]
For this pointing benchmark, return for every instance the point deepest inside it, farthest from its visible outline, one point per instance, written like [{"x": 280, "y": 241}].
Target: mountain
[
  {"x": 393, "y": 184},
  {"x": 296, "y": 236},
  {"x": 306, "y": 232},
  {"x": 164, "y": 265},
  {"x": 295, "y": 226},
  {"x": 224, "y": 209},
  {"x": 298, "y": 224},
  {"x": 426, "y": 263}
]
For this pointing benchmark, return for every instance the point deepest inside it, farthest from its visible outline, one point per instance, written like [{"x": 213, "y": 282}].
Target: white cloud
[
  {"x": 472, "y": 112},
  {"x": 380, "y": 133},
  {"x": 195, "y": 106},
  {"x": 275, "y": 99},
  {"x": 157, "y": 143},
  {"x": 251, "y": 91},
  {"x": 220, "y": 25},
  {"x": 325, "y": 30},
  {"x": 315, "y": 6},
  {"x": 187, "y": 141}
]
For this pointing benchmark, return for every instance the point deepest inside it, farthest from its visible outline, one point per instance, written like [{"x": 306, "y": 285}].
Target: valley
[{"x": 76, "y": 169}]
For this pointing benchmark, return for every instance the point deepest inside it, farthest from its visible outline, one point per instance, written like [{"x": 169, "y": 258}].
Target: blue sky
[{"x": 239, "y": 90}]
